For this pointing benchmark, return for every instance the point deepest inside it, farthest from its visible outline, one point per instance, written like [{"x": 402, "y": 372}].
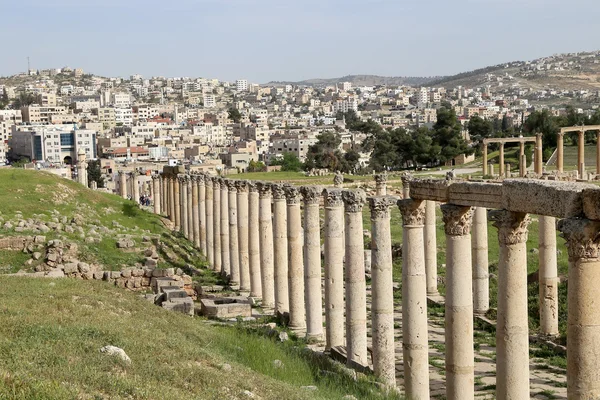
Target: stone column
[
  {"x": 177, "y": 202},
  {"x": 265, "y": 226},
  {"x": 430, "y": 248},
  {"x": 356, "y": 301},
  {"x": 485, "y": 159},
  {"x": 225, "y": 262},
  {"x": 195, "y": 211},
  {"x": 540, "y": 154},
  {"x": 598, "y": 153},
  {"x": 201, "y": 178},
  {"x": 254, "y": 241},
  {"x": 581, "y": 153},
  {"x": 295, "y": 260},
  {"x": 172, "y": 201},
  {"x": 501, "y": 162},
  {"x": 381, "y": 184},
  {"x": 414, "y": 301},
  {"x": 217, "y": 223},
  {"x": 382, "y": 306},
  {"x": 164, "y": 210},
  {"x": 548, "y": 276},
  {"x": 334, "y": 267},
  {"x": 460, "y": 363},
  {"x": 583, "y": 321},
  {"x": 405, "y": 186},
  {"x": 522, "y": 160},
  {"x": 190, "y": 208},
  {"x": 280, "y": 248},
  {"x": 312, "y": 262},
  {"x": 156, "y": 197},
  {"x": 234, "y": 279},
  {"x": 123, "y": 184},
  {"x": 512, "y": 333},
  {"x": 479, "y": 249},
  {"x": 210, "y": 234},
  {"x": 135, "y": 187},
  {"x": 560, "y": 151},
  {"x": 183, "y": 203},
  {"x": 242, "y": 222}
]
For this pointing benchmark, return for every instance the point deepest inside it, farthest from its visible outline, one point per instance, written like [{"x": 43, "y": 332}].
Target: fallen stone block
[
  {"x": 184, "y": 306},
  {"x": 226, "y": 307}
]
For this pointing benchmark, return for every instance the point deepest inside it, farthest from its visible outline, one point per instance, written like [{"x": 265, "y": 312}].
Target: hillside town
[{"x": 53, "y": 117}]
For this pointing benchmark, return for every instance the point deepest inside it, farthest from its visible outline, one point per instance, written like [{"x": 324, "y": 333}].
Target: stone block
[
  {"x": 479, "y": 194},
  {"x": 150, "y": 262},
  {"x": 158, "y": 283},
  {"x": 184, "y": 306},
  {"x": 70, "y": 268},
  {"x": 98, "y": 275},
  {"x": 173, "y": 292},
  {"x": 126, "y": 273},
  {"x": 226, "y": 307},
  {"x": 429, "y": 189},
  {"x": 115, "y": 274},
  {"x": 591, "y": 203},
  {"x": 55, "y": 273},
  {"x": 551, "y": 198}
]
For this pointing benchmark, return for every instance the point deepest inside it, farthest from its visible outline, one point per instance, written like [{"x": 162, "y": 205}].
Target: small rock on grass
[{"x": 116, "y": 351}]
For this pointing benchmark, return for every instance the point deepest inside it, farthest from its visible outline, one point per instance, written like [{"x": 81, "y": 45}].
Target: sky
[{"x": 267, "y": 40}]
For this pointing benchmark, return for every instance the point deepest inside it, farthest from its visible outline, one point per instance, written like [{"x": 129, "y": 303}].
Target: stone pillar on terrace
[
  {"x": 512, "y": 334},
  {"x": 405, "y": 185},
  {"x": 522, "y": 160},
  {"x": 479, "y": 249},
  {"x": 177, "y": 202},
  {"x": 201, "y": 178},
  {"x": 334, "y": 267},
  {"x": 460, "y": 363},
  {"x": 123, "y": 184},
  {"x": 195, "y": 211},
  {"x": 539, "y": 154},
  {"x": 295, "y": 260},
  {"x": 382, "y": 306},
  {"x": 254, "y": 241},
  {"x": 312, "y": 262},
  {"x": 225, "y": 261},
  {"x": 234, "y": 256},
  {"x": 430, "y": 248},
  {"x": 164, "y": 197},
  {"x": 217, "y": 223},
  {"x": 242, "y": 223},
  {"x": 135, "y": 185},
  {"x": 265, "y": 226},
  {"x": 598, "y": 153},
  {"x": 209, "y": 217},
  {"x": 190, "y": 208},
  {"x": 280, "y": 249},
  {"x": 156, "y": 198},
  {"x": 183, "y": 204},
  {"x": 501, "y": 161},
  {"x": 356, "y": 301},
  {"x": 414, "y": 300},
  {"x": 485, "y": 159},
  {"x": 583, "y": 321},
  {"x": 560, "y": 151},
  {"x": 381, "y": 184},
  {"x": 581, "y": 154},
  {"x": 548, "y": 276},
  {"x": 172, "y": 199}
]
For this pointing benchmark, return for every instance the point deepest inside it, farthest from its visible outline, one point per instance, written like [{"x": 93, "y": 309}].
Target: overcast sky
[{"x": 264, "y": 40}]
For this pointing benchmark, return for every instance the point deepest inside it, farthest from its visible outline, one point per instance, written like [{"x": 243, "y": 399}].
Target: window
[{"x": 66, "y": 139}]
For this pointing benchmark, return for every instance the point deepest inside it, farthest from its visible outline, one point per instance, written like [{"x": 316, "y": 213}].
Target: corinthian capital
[
  {"x": 278, "y": 190},
  {"x": 354, "y": 200},
  {"x": 311, "y": 194},
  {"x": 512, "y": 226},
  {"x": 333, "y": 197},
  {"x": 457, "y": 219},
  {"x": 380, "y": 206},
  {"x": 292, "y": 194},
  {"x": 264, "y": 189},
  {"x": 413, "y": 212},
  {"x": 582, "y": 236}
]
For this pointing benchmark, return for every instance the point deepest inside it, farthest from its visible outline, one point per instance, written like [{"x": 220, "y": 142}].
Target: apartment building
[
  {"x": 106, "y": 116},
  {"x": 241, "y": 85},
  {"x": 48, "y": 99},
  {"x": 209, "y": 100},
  {"x": 121, "y": 100},
  {"x": 53, "y": 143},
  {"x": 36, "y": 114}
]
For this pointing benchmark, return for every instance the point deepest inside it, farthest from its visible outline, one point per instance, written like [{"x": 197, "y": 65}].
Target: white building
[
  {"x": 241, "y": 85},
  {"x": 123, "y": 116},
  {"x": 209, "y": 100},
  {"x": 121, "y": 100}
]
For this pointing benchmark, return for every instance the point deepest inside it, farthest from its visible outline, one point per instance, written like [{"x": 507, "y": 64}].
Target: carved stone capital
[
  {"x": 413, "y": 212},
  {"x": 292, "y": 194},
  {"x": 264, "y": 189},
  {"x": 241, "y": 186},
  {"x": 354, "y": 200},
  {"x": 380, "y": 179},
  {"x": 406, "y": 178},
  {"x": 278, "y": 191},
  {"x": 252, "y": 187},
  {"x": 311, "y": 194},
  {"x": 333, "y": 197},
  {"x": 582, "y": 236},
  {"x": 216, "y": 181},
  {"x": 380, "y": 206},
  {"x": 181, "y": 178},
  {"x": 231, "y": 185},
  {"x": 512, "y": 226},
  {"x": 155, "y": 177},
  {"x": 457, "y": 219}
]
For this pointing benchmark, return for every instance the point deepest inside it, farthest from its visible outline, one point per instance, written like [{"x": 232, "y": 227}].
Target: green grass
[{"x": 52, "y": 331}]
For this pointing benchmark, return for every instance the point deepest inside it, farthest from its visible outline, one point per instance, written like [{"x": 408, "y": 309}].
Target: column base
[{"x": 314, "y": 338}]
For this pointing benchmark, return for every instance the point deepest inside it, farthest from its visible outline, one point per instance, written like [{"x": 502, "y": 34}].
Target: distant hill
[{"x": 363, "y": 80}]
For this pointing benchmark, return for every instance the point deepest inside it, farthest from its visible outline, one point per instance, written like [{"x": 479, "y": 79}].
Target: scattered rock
[
  {"x": 278, "y": 363},
  {"x": 283, "y": 336},
  {"x": 125, "y": 243},
  {"x": 116, "y": 351},
  {"x": 226, "y": 367},
  {"x": 311, "y": 388}
]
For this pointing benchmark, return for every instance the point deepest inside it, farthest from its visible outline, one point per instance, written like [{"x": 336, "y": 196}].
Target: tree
[
  {"x": 24, "y": 99},
  {"x": 95, "y": 173},
  {"x": 545, "y": 123},
  {"x": 325, "y": 153},
  {"x": 4, "y": 101},
  {"x": 447, "y": 135},
  {"x": 234, "y": 115},
  {"x": 479, "y": 128},
  {"x": 256, "y": 166},
  {"x": 289, "y": 162}
]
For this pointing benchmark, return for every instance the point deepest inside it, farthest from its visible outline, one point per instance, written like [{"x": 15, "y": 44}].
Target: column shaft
[
  {"x": 202, "y": 212},
  {"x": 254, "y": 241},
  {"x": 560, "y": 152},
  {"x": 295, "y": 260},
  {"x": 225, "y": 262},
  {"x": 460, "y": 362},
  {"x": 123, "y": 184},
  {"x": 430, "y": 248},
  {"x": 156, "y": 197},
  {"x": 581, "y": 153},
  {"x": 184, "y": 205},
  {"x": 356, "y": 302},
  {"x": 234, "y": 279},
  {"x": 334, "y": 268},
  {"x": 177, "y": 203},
  {"x": 210, "y": 234},
  {"x": 217, "y": 224},
  {"x": 265, "y": 226},
  {"x": 539, "y": 155},
  {"x": 598, "y": 153},
  {"x": 512, "y": 333},
  {"x": 190, "y": 208},
  {"x": 485, "y": 159},
  {"x": 242, "y": 222},
  {"x": 501, "y": 162},
  {"x": 382, "y": 306},
  {"x": 195, "y": 212},
  {"x": 548, "y": 276},
  {"x": 312, "y": 262},
  {"x": 280, "y": 248},
  {"x": 479, "y": 249}
]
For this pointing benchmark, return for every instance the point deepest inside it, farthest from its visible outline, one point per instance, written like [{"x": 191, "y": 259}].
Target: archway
[{"x": 68, "y": 160}]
